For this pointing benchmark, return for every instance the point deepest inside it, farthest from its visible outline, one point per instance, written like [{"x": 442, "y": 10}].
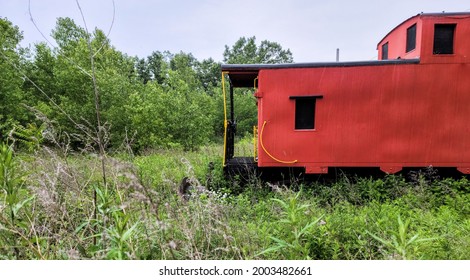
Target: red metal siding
[
  {"x": 389, "y": 116},
  {"x": 397, "y": 40},
  {"x": 461, "y": 40}
]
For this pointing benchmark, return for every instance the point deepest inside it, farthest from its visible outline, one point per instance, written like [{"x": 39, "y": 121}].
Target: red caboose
[{"x": 410, "y": 108}]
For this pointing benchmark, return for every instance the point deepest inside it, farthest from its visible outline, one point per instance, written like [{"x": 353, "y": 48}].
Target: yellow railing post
[
  {"x": 255, "y": 143},
  {"x": 225, "y": 118}
]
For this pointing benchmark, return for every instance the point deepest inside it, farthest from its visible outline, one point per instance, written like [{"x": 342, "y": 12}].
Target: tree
[
  {"x": 40, "y": 70},
  {"x": 245, "y": 51},
  {"x": 158, "y": 65},
  {"x": 172, "y": 115},
  {"x": 143, "y": 71},
  {"x": 11, "y": 95},
  {"x": 64, "y": 75},
  {"x": 67, "y": 34},
  {"x": 184, "y": 64},
  {"x": 208, "y": 73}
]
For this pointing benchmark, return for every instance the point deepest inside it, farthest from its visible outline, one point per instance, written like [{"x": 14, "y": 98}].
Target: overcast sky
[{"x": 311, "y": 29}]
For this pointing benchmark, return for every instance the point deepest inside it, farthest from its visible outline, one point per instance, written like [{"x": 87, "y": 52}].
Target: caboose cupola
[{"x": 433, "y": 38}]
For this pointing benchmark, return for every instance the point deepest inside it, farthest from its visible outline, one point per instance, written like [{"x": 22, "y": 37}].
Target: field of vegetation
[
  {"x": 94, "y": 145},
  {"x": 54, "y": 205}
]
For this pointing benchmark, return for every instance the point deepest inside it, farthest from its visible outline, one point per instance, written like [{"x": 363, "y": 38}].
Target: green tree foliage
[
  {"x": 154, "y": 67},
  {"x": 11, "y": 95},
  {"x": 245, "y": 51},
  {"x": 175, "y": 113},
  {"x": 63, "y": 75},
  {"x": 41, "y": 71},
  {"x": 246, "y": 113},
  {"x": 157, "y": 64},
  {"x": 163, "y": 100},
  {"x": 177, "y": 106},
  {"x": 208, "y": 73},
  {"x": 143, "y": 70}
]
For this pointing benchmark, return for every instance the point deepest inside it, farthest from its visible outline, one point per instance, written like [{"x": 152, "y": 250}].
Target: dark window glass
[
  {"x": 411, "y": 38},
  {"x": 305, "y": 111},
  {"x": 444, "y": 39},
  {"x": 385, "y": 51}
]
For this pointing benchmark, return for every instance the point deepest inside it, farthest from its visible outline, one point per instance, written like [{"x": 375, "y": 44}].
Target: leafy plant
[
  {"x": 12, "y": 182},
  {"x": 296, "y": 242},
  {"x": 399, "y": 242},
  {"x": 15, "y": 197},
  {"x": 120, "y": 235},
  {"x": 30, "y": 136}
]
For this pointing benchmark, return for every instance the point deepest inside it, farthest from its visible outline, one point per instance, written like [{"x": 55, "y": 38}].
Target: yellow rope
[{"x": 264, "y": 149}]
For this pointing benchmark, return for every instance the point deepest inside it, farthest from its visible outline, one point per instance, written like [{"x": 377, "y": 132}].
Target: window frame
[
  {"x": 411, "y": 33},
  {"x": 385, "y": 51},
  {"x": 297, "y": 118},
  {"x": 440, "y": 44}
]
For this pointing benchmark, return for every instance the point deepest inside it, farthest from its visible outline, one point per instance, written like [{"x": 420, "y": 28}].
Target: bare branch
[
  {"x": 100, "y": 128},
  {"x": 109, "y": 31},
  {"x": 51, "y": 44}
]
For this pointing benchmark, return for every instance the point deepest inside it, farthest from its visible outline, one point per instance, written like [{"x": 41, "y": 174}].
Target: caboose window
[
  {"x": 305, "y": 111},
  {"x": 411, "y": 38},
  {"x": 444, "y": 39},
  {"x": 385, "y": 51}
]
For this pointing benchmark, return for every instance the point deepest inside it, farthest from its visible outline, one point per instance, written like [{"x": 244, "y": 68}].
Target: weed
[
  {"x": 400, "y": 243},
  {"x": 15, "y": 197},
  {"x": 141, "y": 216},
  {"x": 294, "y": 236},
  {"x": 29, "y": 137}
]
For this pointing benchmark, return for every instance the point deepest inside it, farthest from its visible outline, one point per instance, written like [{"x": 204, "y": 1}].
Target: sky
[{"x": 311, "y": 29}]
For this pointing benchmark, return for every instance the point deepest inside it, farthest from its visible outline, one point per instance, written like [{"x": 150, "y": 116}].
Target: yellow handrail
[
  {"x": 264, "y": 149},
  {"x": 225, "y": 117},
  {"x": 255, "y": 146}
]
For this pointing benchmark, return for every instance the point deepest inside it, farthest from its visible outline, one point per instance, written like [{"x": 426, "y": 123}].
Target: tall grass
[{"x": 47, "y": 212}]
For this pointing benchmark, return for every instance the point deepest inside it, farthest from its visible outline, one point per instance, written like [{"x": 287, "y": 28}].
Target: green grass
[{"x": 141, "y": 215}]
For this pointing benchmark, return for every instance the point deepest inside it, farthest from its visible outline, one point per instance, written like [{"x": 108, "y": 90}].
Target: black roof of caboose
[{"x": 243, "y": 75}]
